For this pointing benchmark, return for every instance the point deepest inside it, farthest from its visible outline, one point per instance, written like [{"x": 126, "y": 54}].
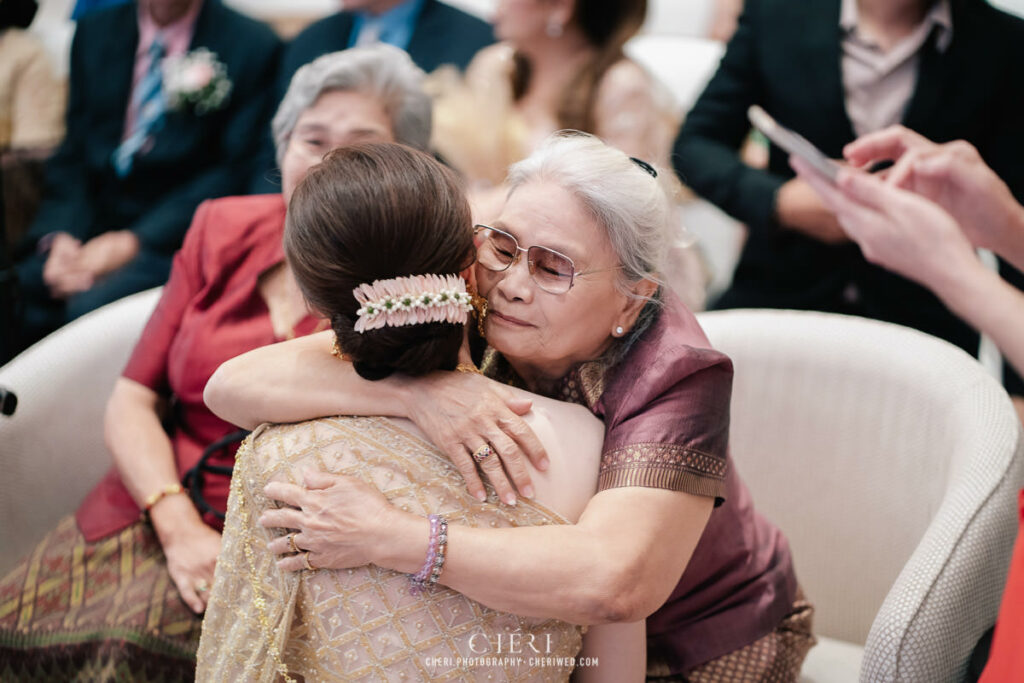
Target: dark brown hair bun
[{"x": 372, "y": 212}]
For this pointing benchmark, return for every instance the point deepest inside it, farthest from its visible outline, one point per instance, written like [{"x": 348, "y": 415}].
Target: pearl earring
[
  {"x": 619, "y": 331},
  {"x": 554, "y": 29}
]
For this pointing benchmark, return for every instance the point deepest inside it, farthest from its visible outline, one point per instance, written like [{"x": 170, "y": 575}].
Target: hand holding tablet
[{"x": 793, "y": 143}]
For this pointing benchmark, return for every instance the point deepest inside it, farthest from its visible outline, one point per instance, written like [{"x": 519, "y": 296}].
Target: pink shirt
[
  {"x": 878, "y": 83},
  {"x": 177, "y": 38}
]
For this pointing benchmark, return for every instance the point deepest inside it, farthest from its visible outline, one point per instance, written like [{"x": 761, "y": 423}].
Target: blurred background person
[
  {"x": 834, "y": 70},
  {"x": 559, "y": 65},
  {"x": 123, "y": 594},
  {"x": 432, "y": 32},
  {"x": 148, "y": 139},
  {"x": 32, "y": 101}
]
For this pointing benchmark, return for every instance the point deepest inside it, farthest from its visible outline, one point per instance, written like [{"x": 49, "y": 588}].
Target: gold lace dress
[{"x": 363, "y": 624}]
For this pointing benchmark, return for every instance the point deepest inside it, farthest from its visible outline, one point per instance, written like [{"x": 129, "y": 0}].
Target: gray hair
[
  {"x": 381, "y": 71},
  {"x": 634, "y": 208}
]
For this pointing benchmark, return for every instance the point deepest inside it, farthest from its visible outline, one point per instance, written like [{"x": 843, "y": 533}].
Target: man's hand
[
  {"x": 108, "y": 252},
  {"x": 63, "y": 272},
  {"x": 798, "y": 207}
]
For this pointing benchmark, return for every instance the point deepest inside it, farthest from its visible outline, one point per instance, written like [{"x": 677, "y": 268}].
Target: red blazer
[{"x": 211, "y": 310}]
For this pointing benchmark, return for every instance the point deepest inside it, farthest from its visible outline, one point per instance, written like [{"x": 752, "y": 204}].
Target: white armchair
[
  {"x": 52, "y": 448},
  {"x": 891, "y": 460}
]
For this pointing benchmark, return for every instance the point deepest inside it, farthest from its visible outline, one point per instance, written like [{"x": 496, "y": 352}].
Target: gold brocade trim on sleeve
[{"x": 663, "y": 466}]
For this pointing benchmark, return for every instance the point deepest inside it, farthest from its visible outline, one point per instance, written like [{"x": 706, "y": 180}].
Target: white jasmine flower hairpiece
[{"x": 412, "y": 300}]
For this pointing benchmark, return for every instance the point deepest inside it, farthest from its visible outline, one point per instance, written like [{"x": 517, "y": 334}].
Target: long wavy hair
[{"x": 607, "y": 26}]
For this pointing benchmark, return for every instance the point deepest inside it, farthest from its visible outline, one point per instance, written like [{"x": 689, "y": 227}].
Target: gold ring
[
  {"x": 291, "y": 542},
  {"x": 202, "y": 586},
  {"x": 483, "y": 453},
  {"x": 309, "y": 565}
]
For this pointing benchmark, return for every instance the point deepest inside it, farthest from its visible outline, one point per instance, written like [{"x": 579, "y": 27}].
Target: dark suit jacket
[
  {"x": 785, "y": 56},
  {"x": 443, "y": 35},
  {"x": 193, "y": 157}
]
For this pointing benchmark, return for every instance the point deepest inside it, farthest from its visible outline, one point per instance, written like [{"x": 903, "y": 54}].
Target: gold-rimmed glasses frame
[{"x": 551, "y": 270}]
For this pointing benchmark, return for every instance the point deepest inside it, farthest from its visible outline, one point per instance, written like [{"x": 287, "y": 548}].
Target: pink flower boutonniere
[{"x": 196, "y": 79}]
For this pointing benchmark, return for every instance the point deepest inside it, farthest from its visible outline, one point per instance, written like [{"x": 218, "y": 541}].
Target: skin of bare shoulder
[
  {"x": 573, "y": 438},
  {"x": 624, "y": 77},
  {"x": 634, "y": 112}
]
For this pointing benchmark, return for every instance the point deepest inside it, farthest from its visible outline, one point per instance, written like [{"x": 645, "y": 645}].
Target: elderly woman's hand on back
[
  {"x": 462, "y": 413},
  {"x": 338, "y": 518}
]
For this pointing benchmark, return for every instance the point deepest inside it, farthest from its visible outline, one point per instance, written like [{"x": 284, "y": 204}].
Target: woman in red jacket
[{"x": 106, "y": 590}]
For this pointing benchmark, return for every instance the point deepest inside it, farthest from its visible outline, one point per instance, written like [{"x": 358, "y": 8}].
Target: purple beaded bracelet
[{"x": 432, "y": 566}]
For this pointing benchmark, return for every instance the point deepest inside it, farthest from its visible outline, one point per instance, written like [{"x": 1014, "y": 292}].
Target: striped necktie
[{"x": 150, "y": 105}]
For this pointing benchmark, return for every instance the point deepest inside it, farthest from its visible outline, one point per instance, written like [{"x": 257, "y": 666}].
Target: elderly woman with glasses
[
  {"x": 569, "y": 272},
  {"x": 107, "y": 592}
]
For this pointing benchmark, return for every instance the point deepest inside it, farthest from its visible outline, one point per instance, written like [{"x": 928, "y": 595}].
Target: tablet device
[{"x": 793, "y": 143}]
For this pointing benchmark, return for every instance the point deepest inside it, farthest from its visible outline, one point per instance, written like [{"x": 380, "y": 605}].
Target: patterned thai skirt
[
  {"x": 103, "y": 611},
  {"x": 774, "y": 658}
]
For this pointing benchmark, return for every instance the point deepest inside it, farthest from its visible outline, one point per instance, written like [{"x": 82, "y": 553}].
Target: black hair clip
[{"x": 646, "y": 167}]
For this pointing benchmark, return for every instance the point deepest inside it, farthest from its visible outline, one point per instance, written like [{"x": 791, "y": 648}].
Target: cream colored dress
[
  {"x": 32, "y": 97},
  {"x": 362, "y": 624}
]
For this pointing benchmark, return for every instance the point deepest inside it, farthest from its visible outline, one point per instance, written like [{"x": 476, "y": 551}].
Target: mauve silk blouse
[{"x": 665, "y": 407}]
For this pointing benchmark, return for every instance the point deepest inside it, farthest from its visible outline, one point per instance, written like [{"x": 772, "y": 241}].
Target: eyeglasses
[{"x": 552, "y": 271}]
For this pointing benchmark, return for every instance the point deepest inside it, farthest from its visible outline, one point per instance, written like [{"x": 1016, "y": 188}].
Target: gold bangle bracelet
[{"x": 154, "y": 498}]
